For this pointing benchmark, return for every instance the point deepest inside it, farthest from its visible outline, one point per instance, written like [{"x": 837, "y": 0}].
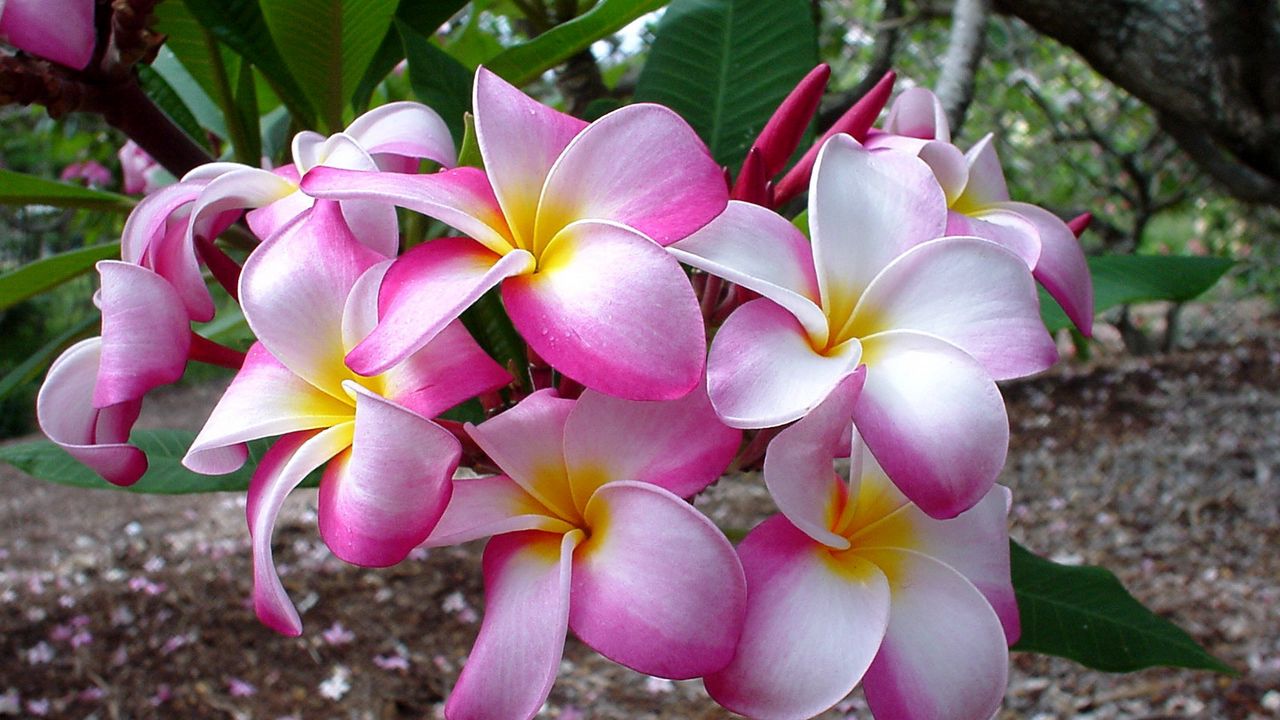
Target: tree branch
[{"x": 964, "y": 53}]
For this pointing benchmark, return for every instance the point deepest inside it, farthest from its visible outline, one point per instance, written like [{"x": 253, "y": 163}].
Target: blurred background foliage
[{"x": 1069, "y": 139}]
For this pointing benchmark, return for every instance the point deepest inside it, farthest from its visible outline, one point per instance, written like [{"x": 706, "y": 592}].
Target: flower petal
[
  {"x": 264, "y": 399},
  {"x": 812, "y": 628},
  {"x": 426, "y": 289},
  {"x": 294, "y": 287},
  {"x": 516, "y": 656},
  {"x": 975, "y": 543},
  {"x": 461, "y": 197},
  {"x": 865, "y": 209},
  {"x": 527, "y": 443},
  {"x": 520, "y": 139},
  {"x": 383, "y": 498},
  {"x": 798, "y": 466},
  {"x": 612, "y": 310},
  {"x": 1005, "y": 228},
  {"x": 918, "y": 113},
  {"x": 678, "y": 445},
  {"x": 285, "y": 465},
  {"x": 155, "y": 236},
  {"x": 760, "y": 250},
  {"x": 934, "y": 419},
  {"x": 408, "y": 129},
  {"x": 944, "y": 655},
  {"x": 493, "y": 505},
  {"x": 641, "y": 166},
  {"x": 763, "y": 372},
  {"x": 145, "y": 333},
  {"x": 1061, "y": 267},
  {"x": 247, "y": 187},
  {"x": 96, "y": 437},
  {"x": 657, "y": 587},
  {"x": 970, "y": 292},
  {"x": 986, "y": 184},
  {"x": 57, "y": 30}
]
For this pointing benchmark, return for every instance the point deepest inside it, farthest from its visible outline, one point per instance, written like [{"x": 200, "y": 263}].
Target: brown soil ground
[{"x": 1164, "y": 469}]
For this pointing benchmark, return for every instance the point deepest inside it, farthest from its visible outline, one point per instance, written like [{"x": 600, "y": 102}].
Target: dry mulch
[{"x": 1161, "y": 468}]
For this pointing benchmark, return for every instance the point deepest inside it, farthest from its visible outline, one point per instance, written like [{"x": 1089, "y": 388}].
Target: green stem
[{"x": 227, "y": 101}]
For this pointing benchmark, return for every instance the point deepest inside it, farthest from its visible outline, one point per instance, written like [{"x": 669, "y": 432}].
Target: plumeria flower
[
  {"x": 57, "y": 30},
  {"x": 853, "y": 582},
  {"x": 591, "y": 534},
  {"x": 309, "y": 294},
  {"x": 570, "y": 218},
  {"x": 142, "y": 174},
  {"x": 936, "y": 320},
  {"x": 92, "y": 172},
  {"x": 979, "y": 204}
]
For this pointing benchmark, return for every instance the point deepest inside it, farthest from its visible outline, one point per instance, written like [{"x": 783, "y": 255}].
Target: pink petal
[
  {"x": 934, "y": 419},
  {"x": 813, "y": 626},
  {"x": 515, "y": 659},
  {"x": 294, "y": 288},
  {"x": 986, "y": 184},
  {"x": 656, "y": 587},
  {"x": 155, "y": 236},
  {"x": 918, "y": 113},
  {"x": 612, "y": 310},
  {"x": 407, "y": 129},
  {"x": 57, "y": 30},
  {"x": 678, "y": 445},
  {"x": 145, "y": 333},
  {"x": 944, "y": 655},
  {"x": 383, "y": 498},
  {"x": 493, "y": 505},
  {"x": 763, "y": 372},
  {"x": 268, "y": 219},
  {"x": 286, "y": 464},
  {"x": 1061, "y": 268},
  {"x": 246, "y": 187},
  {"x": 865, "y": 209},
  {"x": 975, "y": 543},
  {"x": 527, "y": 443},
  {"x": 461, "y": 198},
  {"x": 641, "y": 166},
  {"x": 798, "y": 466},
  {"x": 96, "y": 437},
  {"x": 760, "y": 250},
  {"x": 426, "y": 289},
  {"x": 970, "y": 292},
  {"x": 1005, "y": 228},
  {"x": 264, "y": 399},
  {"x": 520, "y": 139},
  {"x": 946, "y": 160}
]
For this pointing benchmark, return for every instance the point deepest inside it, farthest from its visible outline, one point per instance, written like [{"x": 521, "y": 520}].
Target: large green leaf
[
  {"x": 1083, "y": 613},
  {"x": 328, "y": 45},
  {"x": 192, "y": 93},
  {"x": 19, "y": 189},
  {"x": 34, "y": 278},
  {"x": 165, "y": 474},
  {"x": 1124, "y": 279},
  {"x": 725, "y": 65},
  {"x": 437, "y": 79},
  {"x": 239, "y": 24},
  {"x": 170, "y": 103},
  {"x": 424, "y": 18},
  {"x": 523, "y": 63}
]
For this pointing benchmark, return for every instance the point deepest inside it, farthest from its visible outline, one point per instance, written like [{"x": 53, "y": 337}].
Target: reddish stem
[
  {"x": 211, "y": 353},
  {"x": 225, "y": 270}
]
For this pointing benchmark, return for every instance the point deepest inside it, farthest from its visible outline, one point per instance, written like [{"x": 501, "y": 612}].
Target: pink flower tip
[{"x": 1080, "y": 223}]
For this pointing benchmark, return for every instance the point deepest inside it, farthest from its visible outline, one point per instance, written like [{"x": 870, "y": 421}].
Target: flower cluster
[{"x": 878, "y": 336}]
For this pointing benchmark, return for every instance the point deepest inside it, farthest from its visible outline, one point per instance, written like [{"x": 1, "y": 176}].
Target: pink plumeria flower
[
  {"x": 91, "y": 171},
  {"x": 94, "y": 390},
  {"x": 309, "y": 294},
  {"x": 591, "y": 534},
  {"x": 936, "y": 320},
  {"x": 979, "y": 204},
  {"x": 570, "y": 219},
  {"x": 142, "y": 174},
  {"x": 57, "y": 30},
  {"x": 852, "y": 582}
]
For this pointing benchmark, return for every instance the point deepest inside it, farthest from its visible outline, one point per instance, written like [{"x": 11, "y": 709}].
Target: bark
[
  {"x": 964, "y": 53},
  {"x": 1206, "y": 67}
]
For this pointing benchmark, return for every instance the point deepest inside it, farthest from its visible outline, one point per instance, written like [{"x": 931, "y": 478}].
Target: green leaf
[
  {"x": 725, "y": 65},
  {"x": 523, "y": 63},
  {"x": 34, "y": 278},
  {"x": 328, "y": 45},
  {"x": 1124, "y": 279},
  {"x": 33, "y": 366},
  {"x": 165, "y": 475},
  {"x": 239, "y": 24},
  {"x": 488, "y": 323},
  {"x": 469, "y": 149},
  {"x": 186, "y": 42},
  {"x": 193, "y": 95},
  {"x": 170, "y": 103},
  {"x": 437, "y": 79},
  {"x": 425, "y": 18},
  {"x": 19, "y": 189},
  {"x": 1085, "y": 614},
  {"x": 246, "y": 109}
]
